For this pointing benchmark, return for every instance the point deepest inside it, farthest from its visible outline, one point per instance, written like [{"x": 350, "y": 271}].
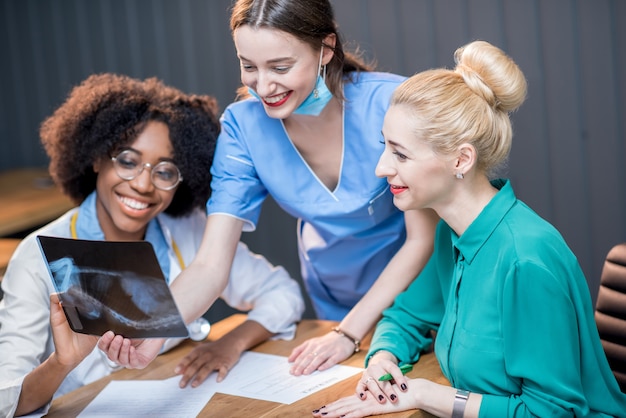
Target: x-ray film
[{"x": 110, "y": 285}]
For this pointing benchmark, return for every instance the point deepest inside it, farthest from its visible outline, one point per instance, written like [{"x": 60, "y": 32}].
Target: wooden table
[
  {"x": 28, "y": 199},
  {"x": 220, "y": 405}
]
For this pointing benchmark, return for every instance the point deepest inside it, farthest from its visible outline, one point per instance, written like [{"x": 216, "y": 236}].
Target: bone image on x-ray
[{"x": 86, "y": 288}]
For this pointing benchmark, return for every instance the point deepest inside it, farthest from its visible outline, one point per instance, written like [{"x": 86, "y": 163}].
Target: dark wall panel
[
  {"x": 563, "y": 95},
  {"x": 605, "y": 170},
  {"x": 415, "y": 32},
  {"x": 569, "y": 146},
  {"x": 530, "y": 145}
]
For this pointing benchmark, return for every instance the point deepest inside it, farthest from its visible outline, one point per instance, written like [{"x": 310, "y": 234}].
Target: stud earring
[{"x": 459, "y": 175}]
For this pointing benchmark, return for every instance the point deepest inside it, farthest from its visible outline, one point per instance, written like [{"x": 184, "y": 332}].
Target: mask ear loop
[{"x": 316, "y": 93}]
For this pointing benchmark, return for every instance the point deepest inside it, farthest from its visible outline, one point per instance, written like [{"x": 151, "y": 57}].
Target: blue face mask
[{"x": 316, "y": 101}]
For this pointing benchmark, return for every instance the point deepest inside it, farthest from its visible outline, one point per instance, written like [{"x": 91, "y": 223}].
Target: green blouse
[{"x": 513, "y": 316}]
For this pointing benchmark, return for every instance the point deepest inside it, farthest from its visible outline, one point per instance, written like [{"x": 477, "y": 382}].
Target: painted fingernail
[
  {"x": 381, "y": 397},
  {"x": 361, "y": 395},
  {"x": 403, "y": 386},
  {"x": 315, "y": 411},
  {"x": 393, "y": 397}
]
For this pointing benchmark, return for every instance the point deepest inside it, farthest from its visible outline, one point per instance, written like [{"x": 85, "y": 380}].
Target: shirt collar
[
  {"x": 479, "y": 231},
  {"x": 88, "y": 227},
  {"x": 87, "y": 224}
]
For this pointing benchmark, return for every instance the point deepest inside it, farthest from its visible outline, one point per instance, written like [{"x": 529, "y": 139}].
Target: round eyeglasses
[{"x": 164, "y": 175}]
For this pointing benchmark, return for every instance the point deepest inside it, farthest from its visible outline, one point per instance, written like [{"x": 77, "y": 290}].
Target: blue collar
[{"x": 88, "y": 227}]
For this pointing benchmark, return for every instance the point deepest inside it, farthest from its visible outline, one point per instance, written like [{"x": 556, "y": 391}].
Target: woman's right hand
[{"x": 380, "y": 364}]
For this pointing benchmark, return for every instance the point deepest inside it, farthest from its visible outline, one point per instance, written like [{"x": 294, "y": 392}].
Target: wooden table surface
[
  {"x": 220, "y": 405},
  {"x": 29, "y": 198}
]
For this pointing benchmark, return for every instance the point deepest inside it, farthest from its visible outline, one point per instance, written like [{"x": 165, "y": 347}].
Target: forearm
[
  {"x": 40, "y": 385},
  {"x": 362, "y": 318},
  {"x": 439, "y": 400},
  {"x": 194, "y": 292},
  {"x": 203, "y": 281},
  {"x": 397, "y": 275},
  {"x": 246, "y": 336}
]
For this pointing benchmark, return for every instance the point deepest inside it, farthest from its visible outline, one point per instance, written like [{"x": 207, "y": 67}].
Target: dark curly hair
[{"x": 107, "y": 112}]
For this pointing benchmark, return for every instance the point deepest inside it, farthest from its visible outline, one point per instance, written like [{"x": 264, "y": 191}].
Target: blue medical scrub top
[{"x": 346, "y": 236}]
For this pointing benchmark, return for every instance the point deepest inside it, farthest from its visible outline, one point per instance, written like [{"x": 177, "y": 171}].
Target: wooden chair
[{"x": 610, "y": 313}]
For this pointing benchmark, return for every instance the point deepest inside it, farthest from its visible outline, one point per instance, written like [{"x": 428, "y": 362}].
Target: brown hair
[{"x": 310, "y": 21}]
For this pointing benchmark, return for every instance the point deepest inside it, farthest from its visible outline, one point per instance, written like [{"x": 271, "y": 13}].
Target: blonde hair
[{"x": 470, "y": 104}]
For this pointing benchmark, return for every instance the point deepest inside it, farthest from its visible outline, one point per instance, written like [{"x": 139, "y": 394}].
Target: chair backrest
[{"x": 610, "y": 311}]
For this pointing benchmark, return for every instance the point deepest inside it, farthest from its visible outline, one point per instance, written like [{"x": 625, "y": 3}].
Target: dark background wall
[{"x": 569, "y": 145}]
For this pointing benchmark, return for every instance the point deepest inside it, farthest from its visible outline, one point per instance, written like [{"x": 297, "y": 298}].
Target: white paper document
[
  {"x": 147, "y": 398},
  {"x": 256, "y": 375},
  {"x": 267, "y": 377}
]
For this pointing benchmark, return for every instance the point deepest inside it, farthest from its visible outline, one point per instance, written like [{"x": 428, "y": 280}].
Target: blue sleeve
[{"x": 236, "y": 187}]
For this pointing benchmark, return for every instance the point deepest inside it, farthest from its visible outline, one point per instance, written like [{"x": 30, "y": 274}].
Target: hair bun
[
  {"x": 492, "y": 75},
  {"x": 475, "y": 82}
]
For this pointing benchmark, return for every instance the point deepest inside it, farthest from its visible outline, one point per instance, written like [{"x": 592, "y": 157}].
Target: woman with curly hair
[{"x": 135, "y": 156}]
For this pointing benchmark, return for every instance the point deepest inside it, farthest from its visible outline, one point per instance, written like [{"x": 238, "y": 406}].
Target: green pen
[{"x": 405, "y": 368}]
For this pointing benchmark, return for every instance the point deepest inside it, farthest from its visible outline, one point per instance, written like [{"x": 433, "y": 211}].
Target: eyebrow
[
  {"x": 392, "y": 142},
  {"x": 136, "y": 151},
  {"x": 272, "y": 61}
]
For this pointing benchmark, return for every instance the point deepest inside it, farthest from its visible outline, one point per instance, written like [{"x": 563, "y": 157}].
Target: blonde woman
[{"x": 516, "y": 335}]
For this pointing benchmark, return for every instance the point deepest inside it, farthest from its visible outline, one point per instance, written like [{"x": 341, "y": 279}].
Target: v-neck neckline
[{"x": 333, "y": 192}]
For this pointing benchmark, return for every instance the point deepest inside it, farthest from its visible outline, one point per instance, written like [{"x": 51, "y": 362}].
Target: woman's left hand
[
  {"x": 71, "y": 348},
  {"x": 320, "y": 353}
]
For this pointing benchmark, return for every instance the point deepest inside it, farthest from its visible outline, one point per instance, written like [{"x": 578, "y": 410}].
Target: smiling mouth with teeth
[
  {"x": 133, "y": 204},
  {"x": 276, "y": 100},
  {"x": 397, "y": 189}
]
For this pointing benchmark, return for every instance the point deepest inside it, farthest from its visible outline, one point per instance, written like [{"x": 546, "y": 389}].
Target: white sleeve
[
  {"x": 25, "y": 334},
  {"x": 25, "y": 337},
  {"x": 269, "y": 295}
]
